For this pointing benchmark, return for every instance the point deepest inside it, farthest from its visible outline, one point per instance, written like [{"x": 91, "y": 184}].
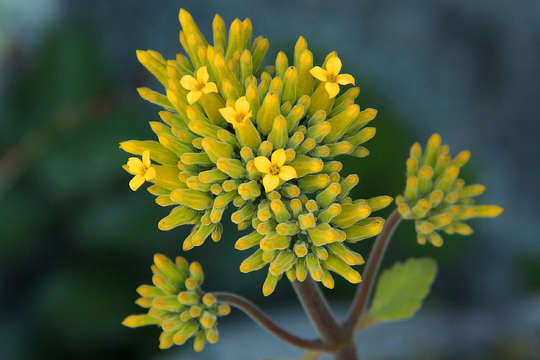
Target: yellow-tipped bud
[
  {"x": 223, "y": 310},
  {"x": 305, "y": 165},
  {"x": 289, "y": 229},
  {"x": 365, "y": 229},
  {"x": 351, "y": 214},
  {"x": 208, "y": 320},
  {"x": 421, "y": 208},
  {"x": 327, "y": 196},
  {"x": 248, "y": 241},
  {"x": 249, "y": 190},
  {"x": 435, "y": 239},
  {"x": 269, "y": 284},
  {"x": 144, "y": 302},
  {"x": 283, "y": 262},
  {"x": 253, "y": 262},
  {"x": 209, "y": 299},
  {"x": 335, "y": 264},
  {"x": 487, "y": 210},
  {"x": 188, "y": 298},
  {"x": 195, "y": 311},
  {"x": 133, "y": 321},
  {"x": 199, "y": 342},
  {"x": 348, "y": 256},
  {"x": 275, "y": 242}
]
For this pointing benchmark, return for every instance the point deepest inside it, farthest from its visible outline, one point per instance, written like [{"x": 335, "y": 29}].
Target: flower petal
[
  {"x": 242, "y": 105},
  {"x": 262, "y": 164},
  {"x": 193, "y": 97},
  {"x": 270, "y": 182},
  {"x": 229, "y": 114},
  {"x": 287, "y": 173},
  {"x": 134, "y": 165},
  {"x": 333, "y": 65},
  {"x": 345, "y": 79},
  {"x": 210, "y": 88},
  {"x": 332, "y": 89},
  {"x": 279, "y": 157},
  {"x": 136, "y": 182},
  {"x": 150, "y": 174},
  {"x": 146, "y": 158},
  {"x": 318, "y": 73},
  {"x": 202, "y": 75},
  {"x": 188, "y": 82}
]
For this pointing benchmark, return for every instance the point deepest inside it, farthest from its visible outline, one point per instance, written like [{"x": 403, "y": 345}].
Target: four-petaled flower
[
  {"x": 199, "y": 86},
  {"x": 237, "y": 115},
  {"x": 331, "y": 77},
  {"x": 274, "y": 170},
  {"x": 143, "y": 170}
]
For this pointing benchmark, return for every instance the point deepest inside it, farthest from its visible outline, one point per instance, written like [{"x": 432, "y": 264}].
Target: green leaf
[{"x": 400, "y": 291}]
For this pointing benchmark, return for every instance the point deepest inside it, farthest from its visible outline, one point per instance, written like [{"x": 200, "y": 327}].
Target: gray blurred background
[{"x": 75, "y": 241}]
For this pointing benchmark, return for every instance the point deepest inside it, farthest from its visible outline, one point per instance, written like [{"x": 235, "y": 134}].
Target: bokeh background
[{"x": 75, "y": 241}]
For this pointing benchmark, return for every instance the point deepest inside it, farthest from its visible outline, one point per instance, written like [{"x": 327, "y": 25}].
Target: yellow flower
[
  {"x": 199, "y": 86},
  {"x": 143, "y": 170},
  {"x": 274, "y": 170},
  {"x": 331, "y": 77},
  {"x": 239, "y": 114}
]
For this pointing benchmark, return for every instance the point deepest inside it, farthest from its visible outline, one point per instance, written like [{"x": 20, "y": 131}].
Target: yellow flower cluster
[
  {"x": 176, "y": 303},
  {"x": 263, "y": 139},
  {"x": 435, "y": 197}
]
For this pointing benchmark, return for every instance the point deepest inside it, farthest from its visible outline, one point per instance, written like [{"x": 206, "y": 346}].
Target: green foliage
[{"x": 400, "y": 290}]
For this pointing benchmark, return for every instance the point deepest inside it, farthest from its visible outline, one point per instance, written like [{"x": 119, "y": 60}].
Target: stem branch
[
  {"x": 264, "y": 321},
  {"x": 374, "y": 261},
  {"x": 317, "y": 309}
]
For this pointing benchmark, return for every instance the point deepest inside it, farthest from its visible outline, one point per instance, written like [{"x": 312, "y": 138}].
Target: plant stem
[
  {"x": 347, "y": 353},
  {"x": 317, "y": 309},
  {"x": 264, "y": 321},
  {"x": 374, "y": 261}
]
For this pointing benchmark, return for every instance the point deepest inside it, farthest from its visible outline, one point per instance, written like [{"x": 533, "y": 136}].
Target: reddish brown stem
[
  {"x": 264, "y": 321},
  {"x": 370, "y": 272}
]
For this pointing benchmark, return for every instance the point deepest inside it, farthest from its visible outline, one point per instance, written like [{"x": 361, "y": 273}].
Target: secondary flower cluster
[
  {"x": 435, "y": 197},
  {"x": 176, "y": 304},
  {"x": 263, "y": 140}
]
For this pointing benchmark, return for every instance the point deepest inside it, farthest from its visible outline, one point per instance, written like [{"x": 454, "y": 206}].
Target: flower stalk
[
  {"x": 261, "y": 318},
  {"x": 372, "y": 267}
]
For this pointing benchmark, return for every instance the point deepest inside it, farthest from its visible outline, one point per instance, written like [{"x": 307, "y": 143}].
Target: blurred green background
[{"x": 75, "y": 241}]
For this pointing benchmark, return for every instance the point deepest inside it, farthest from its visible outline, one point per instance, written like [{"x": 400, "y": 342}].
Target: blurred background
[{"x": 75, "y": 242}]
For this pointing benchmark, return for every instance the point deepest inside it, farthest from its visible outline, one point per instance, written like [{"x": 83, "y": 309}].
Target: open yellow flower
[
  {"x": 199, "y": 86},
  {"x": 331, "y": 77},
  {"x": 143, "y": 170},
  {"x": 274, "y": 170},
  {"x": 237, "y": 115}
]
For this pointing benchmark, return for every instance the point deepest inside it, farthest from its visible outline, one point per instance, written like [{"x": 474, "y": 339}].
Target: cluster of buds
[
  {"x": 435, "y": 197},
  {"x": 263, "y": 139},
  {"x": 176, "y": 304}
]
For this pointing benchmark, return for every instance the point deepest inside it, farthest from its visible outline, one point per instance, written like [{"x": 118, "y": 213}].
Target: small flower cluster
[
  {"x": 263, "y": 139},
  {"x": 435, "y": 197},
  {"x": 176, "y": 304}
]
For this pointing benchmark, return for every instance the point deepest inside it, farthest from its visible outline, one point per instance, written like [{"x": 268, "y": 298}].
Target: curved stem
[
  {"x": 347, "y": 353},
  {"x": 374, "y": 261},
  {"x": 264, "y": 321},
  {"x": 316, "y": 307}
]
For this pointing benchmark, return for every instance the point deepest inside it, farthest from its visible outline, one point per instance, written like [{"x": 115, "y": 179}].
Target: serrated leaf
[{"x": 401, "y": 290}]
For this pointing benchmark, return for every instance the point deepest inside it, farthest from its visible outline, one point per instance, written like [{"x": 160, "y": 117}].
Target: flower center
[
  {"x": 240, "y": 117},
  {"x": 200, "y": 86},
  {"x": 331, "y": 78},
  {"x": 274, "y": 170}
]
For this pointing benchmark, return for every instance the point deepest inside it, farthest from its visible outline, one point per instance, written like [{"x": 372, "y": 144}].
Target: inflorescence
[
  {"x": 263, "y": 139},
  {"x": 435, "y": 197},
  {"x": 177, "y": 304}
]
